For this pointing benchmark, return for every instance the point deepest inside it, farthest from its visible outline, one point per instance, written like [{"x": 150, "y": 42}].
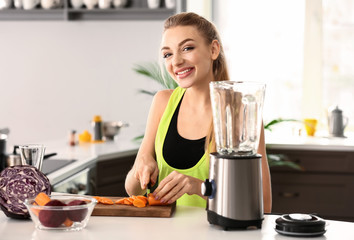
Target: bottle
[
  {"x": 97, "y": 128},
  {"x": 72, "y": 138}
]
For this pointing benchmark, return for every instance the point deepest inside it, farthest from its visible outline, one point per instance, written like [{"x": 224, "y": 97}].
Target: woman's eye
[
  {"x": 166, "y": 55},
  {"x": 188, "y": 48}
]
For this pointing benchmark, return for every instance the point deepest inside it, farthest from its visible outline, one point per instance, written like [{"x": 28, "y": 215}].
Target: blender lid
[{"x": 298, "y": 224}]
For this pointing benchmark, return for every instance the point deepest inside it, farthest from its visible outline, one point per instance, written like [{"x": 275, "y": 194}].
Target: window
[{"x": 302, "y": 50}]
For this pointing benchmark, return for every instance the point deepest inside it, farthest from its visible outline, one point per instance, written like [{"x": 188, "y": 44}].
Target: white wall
[{"x": 54, "y": 76}]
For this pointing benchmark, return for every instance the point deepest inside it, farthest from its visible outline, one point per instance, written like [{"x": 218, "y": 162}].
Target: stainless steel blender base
[{"x": 232, "y": 224}]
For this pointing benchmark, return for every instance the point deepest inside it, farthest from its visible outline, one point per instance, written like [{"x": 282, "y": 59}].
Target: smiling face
[{"x": 188, "y": 58}]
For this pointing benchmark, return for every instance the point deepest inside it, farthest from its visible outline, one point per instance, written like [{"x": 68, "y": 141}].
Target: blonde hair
[{"x": 210, "y": 33}]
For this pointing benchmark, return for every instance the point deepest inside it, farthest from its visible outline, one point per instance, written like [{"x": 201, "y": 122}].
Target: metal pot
[
  {"x": 14, "y": 158},
  {"x": 3, "y": 139},
  {"x": 112, "y": 128}
]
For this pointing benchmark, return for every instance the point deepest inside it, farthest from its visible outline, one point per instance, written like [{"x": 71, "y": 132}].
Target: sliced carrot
[
  {"x": 139, "y": 203},
  {"x": 143, "y": 198},
  {"x": 34, "y": 210},
  {"x": 153, "y": 202},
  {"x": 119, "y": 201},
  {"x": 42, "y": 199},
  {"x": 128, "y": 201},
  {"x": 97, "y": 198},
  {"x": 107, "y": 201},
  {"x": 68, "y": 222}
]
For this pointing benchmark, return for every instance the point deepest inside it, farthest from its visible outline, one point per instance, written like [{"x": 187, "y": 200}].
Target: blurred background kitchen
[{"x": 56, "y": 75}]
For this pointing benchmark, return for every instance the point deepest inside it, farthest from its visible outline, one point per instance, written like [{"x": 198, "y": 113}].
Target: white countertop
[
  {"x": 89, "y": 153},
  {"x": 321, "y": 143},
  {"x": 186, "y": 223}
]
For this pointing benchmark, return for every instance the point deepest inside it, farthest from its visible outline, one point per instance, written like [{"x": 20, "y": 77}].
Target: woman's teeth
[{"x": 183, "y": 72}]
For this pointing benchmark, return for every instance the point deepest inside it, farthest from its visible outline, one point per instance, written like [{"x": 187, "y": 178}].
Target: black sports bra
[{"x": 179, "y": 152}]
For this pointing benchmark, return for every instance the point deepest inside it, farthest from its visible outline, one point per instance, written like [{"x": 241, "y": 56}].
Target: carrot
[
  {"x": 139, "y": 203},
  {"x": 68, "y": 222},
  {"x": 107, "y": 201},
  {"x": 97, "y": 198},
  {"x": 153, "y": 202},
  {"x": 42, "y": 199},
  {"x": 119, "y": 201},
  {"x": 128, "y": 201},
  {"x": 35, "y": 211},
  {"x": 143, "y": 198}
]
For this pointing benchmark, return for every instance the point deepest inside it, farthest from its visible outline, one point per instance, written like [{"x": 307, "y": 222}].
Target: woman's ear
[{"x": 215, "y": 49}]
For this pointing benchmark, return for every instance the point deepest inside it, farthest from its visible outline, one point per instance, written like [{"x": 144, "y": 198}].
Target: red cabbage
[{"x": 17, "y": 183}]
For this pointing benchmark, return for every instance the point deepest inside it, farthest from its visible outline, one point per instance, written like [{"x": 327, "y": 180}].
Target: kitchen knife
[{"x": 148, "y": 189}]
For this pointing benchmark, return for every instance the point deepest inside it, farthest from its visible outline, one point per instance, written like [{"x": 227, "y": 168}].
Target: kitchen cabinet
[
  {"x": 135, "y": 10},
  {"x": 110, "y": 175},
  {"x": 325, "y": 186}
]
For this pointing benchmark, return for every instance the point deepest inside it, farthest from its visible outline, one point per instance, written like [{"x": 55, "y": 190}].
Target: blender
[{"x": 234, "y": 187}]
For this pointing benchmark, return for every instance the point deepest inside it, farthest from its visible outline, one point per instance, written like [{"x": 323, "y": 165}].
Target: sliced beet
[{"x": 17, "y": 183}]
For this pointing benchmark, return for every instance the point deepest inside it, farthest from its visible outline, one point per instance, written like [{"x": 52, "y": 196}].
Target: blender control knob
[{"x": 208, "y": 188}]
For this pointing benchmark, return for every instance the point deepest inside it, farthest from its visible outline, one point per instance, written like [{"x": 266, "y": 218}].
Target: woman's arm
[
  {"x": 267, "y": 191},
  {"x": 145, "y": 169}
]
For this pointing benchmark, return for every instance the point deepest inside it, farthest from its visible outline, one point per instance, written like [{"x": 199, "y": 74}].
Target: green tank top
[{"x": 200, "y": 170}]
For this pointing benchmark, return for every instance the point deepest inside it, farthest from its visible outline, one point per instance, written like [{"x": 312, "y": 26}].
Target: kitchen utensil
[
  {"x": 97, "y": 128},
  {"x": 76, "y": 3},
  {"x": 3, "y": 140},
  {"x": 5, "y": 4},
  {"x": 120, "y": 3},
  {"x": 300, "y": 225},
  {"x": 5, "y": 131},
  {"x": 18, "y": 3},
  {"x": 30, "y": 4},
  {"x": 153, "y": 4},
  {"x": 78, "y": 214},
  {"x": 170, "y": 4},
  {"x": 32, "y": 154},
  {"x": 234, "y": 187},
  {"x": 112, "y": 128},
  {"x": 337, "y": 122},
  {"x": 131, "y": 211},
  {"x": 90, "y": 4},
  {"x": 104, "y": 4},
  {"x": 14, "y": 158}
]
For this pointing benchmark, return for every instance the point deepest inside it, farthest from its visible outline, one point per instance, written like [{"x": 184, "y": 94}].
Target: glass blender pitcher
[
  {"x": 237, "y": 114},
  {"x": 234, "y": 187}
]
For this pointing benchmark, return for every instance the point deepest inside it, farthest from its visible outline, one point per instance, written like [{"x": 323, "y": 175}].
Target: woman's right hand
[{"x": 145, "y": 171}]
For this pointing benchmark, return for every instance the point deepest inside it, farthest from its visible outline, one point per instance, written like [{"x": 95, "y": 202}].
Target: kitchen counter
[
  {"x": 186, "y": 223},
  {"x": 322, "y": 143},
  {"x": 88, "y": 154}
]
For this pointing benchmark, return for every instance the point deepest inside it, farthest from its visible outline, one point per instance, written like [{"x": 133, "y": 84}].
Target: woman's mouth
[{"x": 184, "y": 72}]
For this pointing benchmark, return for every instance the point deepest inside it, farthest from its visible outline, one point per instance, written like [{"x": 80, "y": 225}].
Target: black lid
[{"x": 298, "y": 224}]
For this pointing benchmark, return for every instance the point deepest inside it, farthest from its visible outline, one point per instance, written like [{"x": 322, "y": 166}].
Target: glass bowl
[{"x": 70, "y": 213}]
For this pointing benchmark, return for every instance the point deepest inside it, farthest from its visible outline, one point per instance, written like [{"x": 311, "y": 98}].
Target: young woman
[{"x": 179, "y": 132}]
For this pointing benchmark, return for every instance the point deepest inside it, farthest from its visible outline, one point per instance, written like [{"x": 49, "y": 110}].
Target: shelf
[
  {"x": 137, "y": 10},
  {"x": 119, "y": 14}
]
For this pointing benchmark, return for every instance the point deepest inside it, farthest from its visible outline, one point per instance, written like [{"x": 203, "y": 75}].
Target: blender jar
[{"x": 237, "y": 116}]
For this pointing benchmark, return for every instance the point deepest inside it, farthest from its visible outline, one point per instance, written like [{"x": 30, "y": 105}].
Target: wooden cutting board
[{"x": 132, "y": 211}]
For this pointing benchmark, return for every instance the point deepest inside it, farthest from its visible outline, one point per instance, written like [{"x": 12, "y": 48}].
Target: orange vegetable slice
[
  {"x": 107, "y": 201},
  {"x": 68, "y": 222},
  {"x": 128, "y": 201},
  {"x": 42, "y": 199},
  {"x": 153, "y": 202},
  {"x": 139, "y": 203},
  {"x": 119, "y": 201},
  {"x": 143, "y": 198}
]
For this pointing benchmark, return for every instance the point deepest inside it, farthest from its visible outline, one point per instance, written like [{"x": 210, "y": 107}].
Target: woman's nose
[{"x": 177, "y": 59}]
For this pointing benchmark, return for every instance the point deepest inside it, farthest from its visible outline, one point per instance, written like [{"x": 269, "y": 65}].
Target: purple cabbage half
[{"x": 17, "y": 183}]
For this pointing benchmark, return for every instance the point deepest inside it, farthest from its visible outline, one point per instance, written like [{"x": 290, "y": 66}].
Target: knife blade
[{"x": 148, "y": 189}]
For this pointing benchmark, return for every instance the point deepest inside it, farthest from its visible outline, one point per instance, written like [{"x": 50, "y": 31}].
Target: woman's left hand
[{"x": 175, "y": 185}]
